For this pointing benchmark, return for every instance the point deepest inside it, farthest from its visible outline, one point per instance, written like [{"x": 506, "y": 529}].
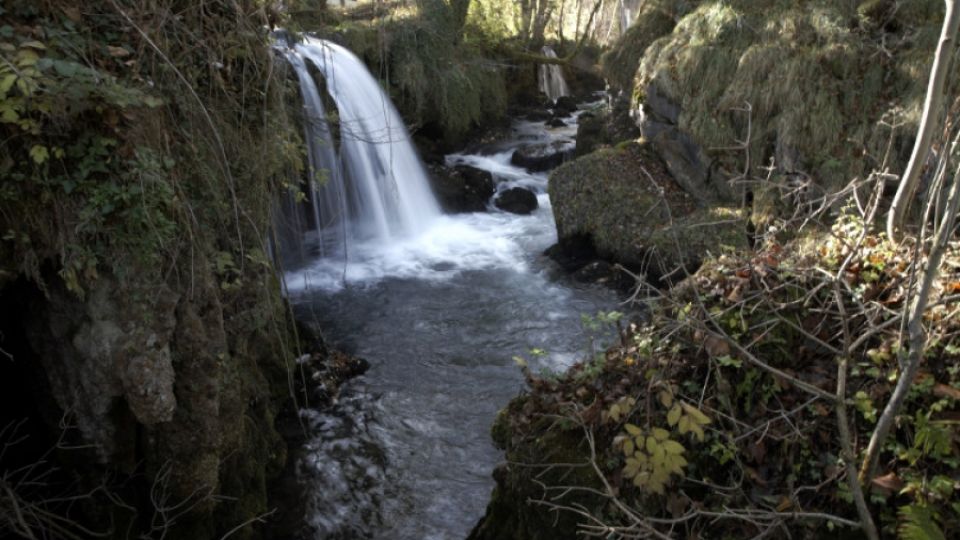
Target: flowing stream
[{"x": 439, "y": 310}]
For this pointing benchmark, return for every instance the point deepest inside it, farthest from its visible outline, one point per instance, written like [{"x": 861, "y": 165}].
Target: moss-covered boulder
[
  {"x": 811, "y": 82},
  {"x": 626, "y": 203},
  {"x": 539, "y": 453}
]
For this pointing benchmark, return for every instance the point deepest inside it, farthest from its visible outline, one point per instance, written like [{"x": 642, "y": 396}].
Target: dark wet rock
[
  {"x": 573, "y": 252},
  {"x": 591, "y": 133},
  {"x": 556, "y": 123},
  {"x": 596, "y": 271},
  {"x": 517, "y": 201},
  {"x": 565, "y": 106},
  {"x": 543, "y": 156},
  {"x": 538, "y": 116},
  {"x": 325, "y": 374},
  {"x": 462, "y": 188}
]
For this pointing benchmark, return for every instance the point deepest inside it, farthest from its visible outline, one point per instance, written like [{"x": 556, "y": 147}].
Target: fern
[{"x": 917, "y": 523}]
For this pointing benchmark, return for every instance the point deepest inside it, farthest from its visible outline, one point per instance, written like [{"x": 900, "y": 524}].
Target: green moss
[
  {"x": 655, "y": 19},
  {"x": 815, "y": 78},
  {"x": 436, "y": 75}
]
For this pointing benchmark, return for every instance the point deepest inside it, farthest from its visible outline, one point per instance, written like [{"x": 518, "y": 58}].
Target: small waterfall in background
[
  {"x": 369, "y": 186},
  {"x": 626, "y": 16},
  {"x": 552, "y": 82}
]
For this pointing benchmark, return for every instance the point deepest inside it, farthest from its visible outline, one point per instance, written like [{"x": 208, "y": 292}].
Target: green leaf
[
  {"x": 65, "y": 68},
  {"x": 673, "y": 447},
  {"x": 652, "y": 446},
  {"x": 632, "y": 429},
  {"x": 695, "y": 414},
  {"x": 697, "y": 430},
  {"x": 39, "y": 153},
  {"x": 674, "y": 415},
  {"x": 666, "y": 398},
  {"x": 6, "y": 83},
  {"x": 660, "y": 434},
  {"x": 917, "y": 523},
  {"x": 728, "y": 361}
]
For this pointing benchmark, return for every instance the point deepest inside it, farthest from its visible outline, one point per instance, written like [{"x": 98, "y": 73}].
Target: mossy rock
[
  {"x": 513, "y": 513},
  {"x": 655, "y": 19},
  {"x": 816, "y": 90},
  {"x": 626, "y": 202}
]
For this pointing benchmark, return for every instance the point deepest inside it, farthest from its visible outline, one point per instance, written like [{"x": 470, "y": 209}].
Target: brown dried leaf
[
  {"x": 889, "y": 482},
  {"x": 946, "y": 392},
  {"x": 73, "y": 13},
  {"x": 117, "y": 52},
  {"x": 716, "y": 346}
]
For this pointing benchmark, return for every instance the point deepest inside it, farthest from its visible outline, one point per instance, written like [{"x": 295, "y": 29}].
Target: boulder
[
  {"x": 461, "y": 188},
  {"x": 627, "y": 204},
  {"x": 538, "y": 115},
  {"x": 517, "y": 200},
  {"x": 542, "y": 156},
  {"x": 565, "y": 106},
  {"x": 556, "y": 123}
]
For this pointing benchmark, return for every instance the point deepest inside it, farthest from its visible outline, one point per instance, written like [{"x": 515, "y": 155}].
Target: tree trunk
[
  {"x": 928, "y": 123},
  {"x": 459, "y": 10}
]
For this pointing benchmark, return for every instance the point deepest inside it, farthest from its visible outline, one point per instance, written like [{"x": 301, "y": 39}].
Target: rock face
[
  {"x": 687, "y": 162},
  {"x": 95, "y": 354},
  {"x": 698, "y": 82},
  {"x": 158, "y": 382},
  {"x": 462, "y": 188},
  {"x": 542, "y": 157},
  {"x": 512, "y": 513},
  {"x": 517, "y": 201},
  {"x": 626, "y": 203}
]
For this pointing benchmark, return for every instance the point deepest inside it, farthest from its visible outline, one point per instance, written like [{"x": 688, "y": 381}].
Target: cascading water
[
  {"x": 374, "y": 189},
  {"x": 552, "y": 82},
  {"x": 438, "y": 304}
]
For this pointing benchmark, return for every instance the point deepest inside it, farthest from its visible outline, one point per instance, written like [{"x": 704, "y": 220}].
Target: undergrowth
[{"x": 717, "y": 418}]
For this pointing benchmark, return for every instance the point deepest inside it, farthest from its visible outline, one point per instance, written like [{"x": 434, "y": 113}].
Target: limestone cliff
[{"x": 143, "y": 146}]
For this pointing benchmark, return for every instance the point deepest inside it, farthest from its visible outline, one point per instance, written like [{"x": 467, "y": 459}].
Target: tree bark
[{"x": 928, "y": 122}]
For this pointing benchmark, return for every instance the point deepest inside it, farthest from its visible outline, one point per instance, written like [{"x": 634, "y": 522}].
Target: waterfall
[
  {"x": 371, "y": 187},
  {"x": 552, "y": 82}
]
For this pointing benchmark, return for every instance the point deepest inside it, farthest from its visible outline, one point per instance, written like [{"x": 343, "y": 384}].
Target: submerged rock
[
  {"x": 542, "y": 156},
  {"x": 517, "y": 200},
  {"x": 556, "y": 123},
  {"x": 462, "y": 188}
]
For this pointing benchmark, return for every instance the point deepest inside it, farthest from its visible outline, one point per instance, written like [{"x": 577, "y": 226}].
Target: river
[{"x": 405, "y": 453}]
